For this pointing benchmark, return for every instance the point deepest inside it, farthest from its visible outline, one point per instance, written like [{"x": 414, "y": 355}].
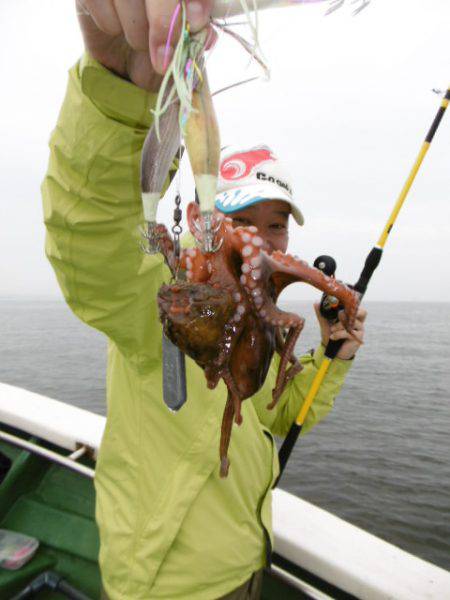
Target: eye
[
  {"x": 280, "y": 227},
  {"x": 241, "y": 221}
]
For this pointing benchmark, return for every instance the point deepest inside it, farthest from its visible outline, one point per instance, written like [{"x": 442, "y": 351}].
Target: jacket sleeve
[
  {"x": 92, "y": 208},
  {"x": 280, "y": 419}
]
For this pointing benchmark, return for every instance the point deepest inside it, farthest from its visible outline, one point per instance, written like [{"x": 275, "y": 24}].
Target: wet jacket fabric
[{"x": 170, "y": 527}]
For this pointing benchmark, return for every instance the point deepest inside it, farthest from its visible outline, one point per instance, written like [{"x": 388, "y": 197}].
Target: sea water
[{"x": 381, "y": 458}]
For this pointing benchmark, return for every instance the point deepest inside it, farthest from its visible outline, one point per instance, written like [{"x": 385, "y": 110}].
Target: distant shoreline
[{"x": 287, "y": 301}]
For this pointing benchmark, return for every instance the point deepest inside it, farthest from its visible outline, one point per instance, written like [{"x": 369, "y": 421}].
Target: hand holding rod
[{"x": 372, "y": 262}]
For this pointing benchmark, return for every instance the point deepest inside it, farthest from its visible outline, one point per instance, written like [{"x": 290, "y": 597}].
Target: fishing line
[
  {"x": 233, "y": 85},
  {"x": 175, "y": 14}
]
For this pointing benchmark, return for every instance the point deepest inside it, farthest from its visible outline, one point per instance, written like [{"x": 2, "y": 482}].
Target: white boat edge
[{"x": 345, "y": 556}]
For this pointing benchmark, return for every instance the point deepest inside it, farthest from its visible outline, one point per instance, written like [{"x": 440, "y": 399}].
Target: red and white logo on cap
[
  {"x": 251, "y": 175},
  {"x": 242, "y": 164}
]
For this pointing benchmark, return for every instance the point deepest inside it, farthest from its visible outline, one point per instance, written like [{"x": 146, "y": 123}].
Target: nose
[{"x": 269, "y": 247}]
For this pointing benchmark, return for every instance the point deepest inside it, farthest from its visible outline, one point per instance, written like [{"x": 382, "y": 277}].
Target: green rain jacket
[{"x": 170, "y": 527}]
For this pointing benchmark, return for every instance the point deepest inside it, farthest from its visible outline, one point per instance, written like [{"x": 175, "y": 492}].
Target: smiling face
[{"x": 270, "y": 217}]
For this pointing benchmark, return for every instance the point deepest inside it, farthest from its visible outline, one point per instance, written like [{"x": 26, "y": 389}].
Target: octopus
[{"x": 224, "y": 315}]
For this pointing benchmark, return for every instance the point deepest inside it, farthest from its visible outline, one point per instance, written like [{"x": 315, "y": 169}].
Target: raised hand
[
  {"x": 129, "y": 36},
  {"x": 337, "y": 331}
]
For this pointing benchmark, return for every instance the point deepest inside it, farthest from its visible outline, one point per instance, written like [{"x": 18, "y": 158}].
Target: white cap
[{"x": 248, "y": 176}]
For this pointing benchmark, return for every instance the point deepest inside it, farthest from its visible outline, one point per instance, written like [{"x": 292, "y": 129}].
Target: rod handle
[
  {"x": 333, "y": 348},
  {"x": 372, "y": 262}
]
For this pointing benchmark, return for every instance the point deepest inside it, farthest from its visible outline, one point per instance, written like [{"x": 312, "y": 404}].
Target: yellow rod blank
[
  {"x": 386, "y": 231},
  {"x": 394, "y": 214},
  {"x": 313, "y": 391}
]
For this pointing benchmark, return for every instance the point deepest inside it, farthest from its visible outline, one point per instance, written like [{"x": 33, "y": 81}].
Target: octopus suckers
[
  {"x": 246, "y": 237},
  {"x": 237, "y": 297},
  {"x": 241, "y": 309},
  {"x": 245, "y": 268},
  {"x": 256, "y": 274},
  {"x": 257, "y": 241},
  {"x": 243, "y": 279},
  {"x": 253, "y": 229},
  {"x": 256, "y": 261},
  {"x": 247, "y": 250}
]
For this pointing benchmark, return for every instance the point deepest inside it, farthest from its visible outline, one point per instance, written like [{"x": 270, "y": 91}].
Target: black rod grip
[
  {"x": 437, "y": 120},
  {"x": 287, "y": 446},
  {"x": 333, "y": 348},
  {"x": 372, "y": 262}
]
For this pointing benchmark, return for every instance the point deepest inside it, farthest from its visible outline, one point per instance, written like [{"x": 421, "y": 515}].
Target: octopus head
[{"x": 194, "y": 318}]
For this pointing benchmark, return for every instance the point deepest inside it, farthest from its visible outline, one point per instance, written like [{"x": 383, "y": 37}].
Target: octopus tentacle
[
  {"x": 233, "y": 390},
  {"x": 280, "y": 343},
  {"x": 212, "y": 377},
  {"x": 249, "y": 244},
  {"x": 286, "y": 269},
  {"x": 225, "y": 435},
  {"x": 272, "y": 315},
  {"x": 286, "y": 357},
  {"x": 165, "y": 244},
  {"x": 254, "y": 276},
  {"x": 292, "y": 372},
  {"x": 197, "y": 266}
]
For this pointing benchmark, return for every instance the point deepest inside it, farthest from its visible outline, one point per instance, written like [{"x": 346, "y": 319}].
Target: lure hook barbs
[
  {"x": 214, "y": 242},
  {"x": 199, "y": 229},
  {"x": 152, "y": 238}
]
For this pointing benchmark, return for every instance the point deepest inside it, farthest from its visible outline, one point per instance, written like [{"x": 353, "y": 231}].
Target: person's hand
[
  {"x": 129, "y": 36},
  {"x": 337, "y": 331}
]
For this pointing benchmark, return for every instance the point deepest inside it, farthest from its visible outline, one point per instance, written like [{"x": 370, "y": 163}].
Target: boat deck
[
  {"x": 47, "y": 492},
  {"x": 57, "y": 506}
]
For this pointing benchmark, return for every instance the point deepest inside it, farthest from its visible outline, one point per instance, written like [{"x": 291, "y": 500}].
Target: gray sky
[{"x": 347, "y": 107}]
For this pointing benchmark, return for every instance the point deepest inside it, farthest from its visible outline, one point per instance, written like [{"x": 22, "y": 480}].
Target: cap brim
[{"x": 235, "y": 199}]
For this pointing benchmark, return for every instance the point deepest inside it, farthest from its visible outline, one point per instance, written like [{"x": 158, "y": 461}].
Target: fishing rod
[{"x": 371, "y": 263}]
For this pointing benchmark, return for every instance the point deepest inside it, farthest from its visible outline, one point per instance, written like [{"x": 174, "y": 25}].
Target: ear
[{"x": 192, "y": 214}]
